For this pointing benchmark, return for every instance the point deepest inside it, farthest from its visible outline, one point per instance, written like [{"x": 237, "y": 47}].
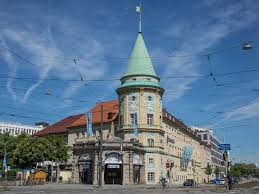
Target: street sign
[
  {"x": 167, "y": 166},
  {"x": 224, "y": 147},
  {"x": 113, "y": 166},
  {"x": 216, "y": 181}
]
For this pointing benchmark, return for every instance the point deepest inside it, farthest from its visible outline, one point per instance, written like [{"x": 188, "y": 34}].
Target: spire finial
[{"x": 138, "y": 10}]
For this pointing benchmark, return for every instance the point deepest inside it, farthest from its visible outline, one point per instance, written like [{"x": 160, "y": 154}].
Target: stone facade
[
  {"x": 15, "y": 129},
  {"x": 117, "y": 154},
  {"x": 143, "y": 142}
]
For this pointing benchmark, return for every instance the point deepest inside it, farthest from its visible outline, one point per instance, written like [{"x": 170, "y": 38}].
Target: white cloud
[
  {"x": 248, "y": 111},
  {"x": 198, "y": 39},
  {"x": 7, "y": 56},
  {"x": 47, "y": 58},
  {"x": 35, "y": 45}
]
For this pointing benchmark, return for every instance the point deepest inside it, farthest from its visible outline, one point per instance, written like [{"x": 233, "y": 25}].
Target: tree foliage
[
  {"x": 25, "y": 151},
  {"x": 242, "y": 169},
  {"x": 217, "y": 171},
  {"x": 208, "y": 169}
]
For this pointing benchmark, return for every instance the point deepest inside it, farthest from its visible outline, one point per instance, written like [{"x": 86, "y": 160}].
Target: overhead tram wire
[
  {"x": 211, "y": 70},
  {"x": 205, "y": 54},
  {"x": 22, "y": 116},
  {"x": 108, "y": 108},
  {"x": 233, "y": 126},
  {"x": 117, "y": 79},
  {"x": 29, "y": 117},
  {"x": 32, "y": 111},
  {"x": 223, "y": 112},
  {"x": 83, "y": 80}
]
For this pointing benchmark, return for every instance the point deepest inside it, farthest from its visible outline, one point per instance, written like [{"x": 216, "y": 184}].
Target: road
[{"x": 85, "y": 189}]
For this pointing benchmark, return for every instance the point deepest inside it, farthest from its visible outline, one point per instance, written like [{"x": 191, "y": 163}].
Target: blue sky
[{"x": 45, "y": 36}]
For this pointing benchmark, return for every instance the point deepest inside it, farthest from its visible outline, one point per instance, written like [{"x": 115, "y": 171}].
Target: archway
[
  {"x": 137, "y": 164},
  {"x": 85, "y": 166},
  {"x": 113, "y": 170}
]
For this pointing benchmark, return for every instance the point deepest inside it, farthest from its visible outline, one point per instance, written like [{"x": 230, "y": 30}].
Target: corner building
[
  {"x": 140, "y": 100},
  {"x": 164, "y": 139},
  {"x": 141, "y": 140}
]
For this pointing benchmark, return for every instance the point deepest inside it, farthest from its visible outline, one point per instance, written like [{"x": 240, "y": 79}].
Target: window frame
[
  {"x": 151, "y": 177},
  {"x": 151, "y": 142},
  {"x": 150, "y": 119},
  {"x": 134, "y": 119}
]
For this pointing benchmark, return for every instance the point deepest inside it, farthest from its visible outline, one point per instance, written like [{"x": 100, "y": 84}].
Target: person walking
[{"x": 229, "y": 182}]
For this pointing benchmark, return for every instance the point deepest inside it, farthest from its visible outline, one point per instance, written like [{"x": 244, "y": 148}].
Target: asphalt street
[{"x": 83, "y": 189}]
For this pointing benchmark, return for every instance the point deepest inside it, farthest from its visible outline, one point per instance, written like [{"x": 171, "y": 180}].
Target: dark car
[{"x": 189, "y": 183}]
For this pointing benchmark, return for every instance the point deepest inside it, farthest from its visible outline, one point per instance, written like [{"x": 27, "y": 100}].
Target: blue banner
[
  {"x": 135, "y": 130},
  {"x": 4, "y": 163},
  {"x": 5, "y": 160},
  {"x": 186, "y": 156},
  {"x": 89, "y": 124}
]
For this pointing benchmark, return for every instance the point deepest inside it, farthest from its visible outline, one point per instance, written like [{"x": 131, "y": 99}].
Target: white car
[{"x": 222, "y": 181}]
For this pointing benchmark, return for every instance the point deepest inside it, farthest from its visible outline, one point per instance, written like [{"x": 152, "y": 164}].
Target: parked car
[
  {"x": 189, "y": 183},
  {"x": 222, "y": 181}
]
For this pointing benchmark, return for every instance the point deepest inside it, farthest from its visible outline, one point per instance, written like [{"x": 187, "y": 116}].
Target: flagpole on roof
[
  {"x": 140, "y": 17},
  {"x": 138, "y": 10}
]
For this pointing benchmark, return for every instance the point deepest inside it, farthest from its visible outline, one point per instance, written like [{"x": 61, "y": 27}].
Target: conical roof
[{"x": 140, "y": 62}]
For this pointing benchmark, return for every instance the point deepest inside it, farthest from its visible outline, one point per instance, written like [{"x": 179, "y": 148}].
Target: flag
[
  {"x": 135, "y": 131},
  {"x": 89, "y": 124},
  {"x": 138, "y": 10}
]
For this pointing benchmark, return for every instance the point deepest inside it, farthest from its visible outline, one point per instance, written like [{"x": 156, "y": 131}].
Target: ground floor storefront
[{"x": 122, "y": 163}]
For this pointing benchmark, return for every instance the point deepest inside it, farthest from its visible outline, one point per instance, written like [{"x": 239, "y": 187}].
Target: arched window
[
  {"x": 133, "y": 98},
  {"x": 151, "y": 142}
]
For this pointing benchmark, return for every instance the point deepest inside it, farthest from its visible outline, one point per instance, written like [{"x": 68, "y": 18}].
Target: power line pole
[
  {"x": 51, "y": 171},
  {"x": 5, "y": 162},
  {"x": 101, "y": 150}
]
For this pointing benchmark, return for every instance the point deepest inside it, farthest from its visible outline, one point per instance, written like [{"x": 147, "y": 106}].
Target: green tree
[
  {"x": 8, "y": 141},
  {"x": 217, "y": 171},
  {"x": 208, "y": 170},
  {"x": 25, "y": 151},
  {"x": 242, "y": 169}
]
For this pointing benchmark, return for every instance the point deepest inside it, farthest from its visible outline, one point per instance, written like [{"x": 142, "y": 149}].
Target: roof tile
[
  {"x": 59, "y": 127},
  {"x": 109, "y": 107}
]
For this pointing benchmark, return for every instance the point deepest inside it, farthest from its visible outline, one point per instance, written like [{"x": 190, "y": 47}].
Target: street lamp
[
  {"x": 247, "y": 46},
  {"x": 48, "y": 93}
]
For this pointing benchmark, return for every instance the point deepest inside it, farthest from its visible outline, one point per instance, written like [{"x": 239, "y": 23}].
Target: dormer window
[{"x": 110, "y": 115}]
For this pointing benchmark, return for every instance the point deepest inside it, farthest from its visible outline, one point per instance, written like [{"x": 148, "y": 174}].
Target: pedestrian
[{"x": 229, "y": 181}]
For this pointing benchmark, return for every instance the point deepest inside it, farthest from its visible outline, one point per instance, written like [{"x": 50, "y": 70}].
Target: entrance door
[
  {"x": 113, "y": 174},
  {"x": 136, "y": 174},
  {"x": 85, "y": 173}
]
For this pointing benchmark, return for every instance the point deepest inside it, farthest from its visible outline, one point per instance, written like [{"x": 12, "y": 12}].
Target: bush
[
  {"x": 54, "y": 179},
  {"x": 60, "y": 179},
  {"x": 11, "y": 174}
]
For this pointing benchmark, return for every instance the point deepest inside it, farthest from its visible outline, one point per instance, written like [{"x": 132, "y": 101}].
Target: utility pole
[
  {"x": 51, "y": 171},
  {"x": 101, "y": 150},
  {"x": 5, "y": 162}
]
